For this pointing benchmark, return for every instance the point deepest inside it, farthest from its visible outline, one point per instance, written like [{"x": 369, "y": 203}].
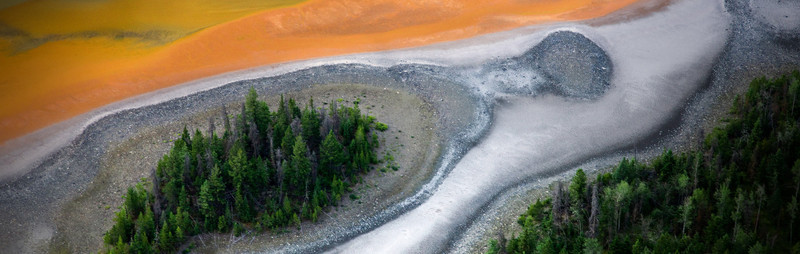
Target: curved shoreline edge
[
  {"x": 93, "y": 138},
  {"x": 19, "y": 155},
  {"x": 733, "y": 70},
  {"x": 263, "y": 38},
  {"x": 401, "y": 60}
]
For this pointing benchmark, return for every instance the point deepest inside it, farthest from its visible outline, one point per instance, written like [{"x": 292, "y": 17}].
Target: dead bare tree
[
  {"x": 314, "y": 167},
  {"x": 156, "y": 194},
  {"x": 228, "y": 133},
  {"x": 501, "y": 242},
  {"x": 332, "y": 120},
  {"x": 295, "y": 125},
  {"x": 211, "y": 126},
  {"x": 187, "y": 168},
  {"x": 595, "y": 213},
  {"x": 280, "y": 170},
  {"x": 226, "y": 120},
  {"x": 200, "y": 170},
  {"x": 323, "y": 131},
  {"x": 271, "y": 140},
  {"x": 255, "y": 140},
  {"x": 309, "y": 154},
  {"x": 240, "y": 127},
  {"x": 201, "y": 240},
  {"x": 209, "y": 159},
  {"x": 559, "y": 204}
]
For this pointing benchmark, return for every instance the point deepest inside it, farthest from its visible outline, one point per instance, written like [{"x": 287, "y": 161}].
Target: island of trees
[
  {"x": 738, "y": 193},
  {"x": 268, "y": 171}
]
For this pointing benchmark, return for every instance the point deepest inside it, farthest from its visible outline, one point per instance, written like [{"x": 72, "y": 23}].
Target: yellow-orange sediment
[{"x": 60, "y": 79}]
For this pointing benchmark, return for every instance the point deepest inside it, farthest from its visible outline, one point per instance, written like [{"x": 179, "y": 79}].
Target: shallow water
[
  {"x": 55, "y": 55},
  {"x": 38, "y": 18},
  {"x": 60, "y": 59},
  {"x": 659, "y": 62}
]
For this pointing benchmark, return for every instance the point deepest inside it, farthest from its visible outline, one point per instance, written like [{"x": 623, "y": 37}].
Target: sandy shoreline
[
  {"x": 55, "y": 167},
  {"x": 18, "y": 155},
  {"x": 56, "y": 181},
  {"x": 733, "y": 70},
  {"x": 130, "y": 159},
  {"x": 659, "y": 61}
]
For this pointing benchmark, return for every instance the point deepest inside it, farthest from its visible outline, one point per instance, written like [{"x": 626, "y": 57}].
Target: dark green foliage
[
  {"x": 332, "y": 157},
  {"x": 133, "y": 233},
  {"x": 136, "y": 206},
  {"x": 381, "y": 126},
  {"x": 310, "y": 123},
  {"x": 287, "y": 144},
  {"x": 239, "y": 181},
  {"x": 737, "y": 194},
  {"x": 494, "y": 247},
  {"x": 237, "y": 229},
  {"x": 298, "y": 174}
]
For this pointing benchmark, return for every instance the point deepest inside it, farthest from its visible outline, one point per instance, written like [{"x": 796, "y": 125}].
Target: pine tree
[
  {"x": 242, "y": 206},
  {"x": 186, "y": 138},
  {"x": 146, "y": 225},
  {"x": 239, "y": 169},
  {"x": 141, "y": 244},
  {"x": 120, "y": 247},
  {"x": 576, "y": 190},
  {"x": 124, "y": 225},
  {"x": 210, "y": 193},
  {"x": 287, "y": 143},
  {"x": 199, "y": 146},
  {"x": 262, "y": 120},
  {"x": 251, "y": 104},
  {"x": 183, "y": 200},
  {"x": 165, "y": 239},
  {"x": 135, "y": 201},
  {"x": 302, "y": 167},
  {"x": 294, "y": 110},
  {"x": 310, "y": 125},
  {"x": 222, "y": 223},
  {"x": 331, "y": 156},
  {"x": 179, "y": 237},
  {"x": 215, "y": 179}
]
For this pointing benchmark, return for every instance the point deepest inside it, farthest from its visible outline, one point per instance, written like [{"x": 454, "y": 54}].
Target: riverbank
[
  {"x": 659, "y": 61},
  {"x": 754, "y": 49}
]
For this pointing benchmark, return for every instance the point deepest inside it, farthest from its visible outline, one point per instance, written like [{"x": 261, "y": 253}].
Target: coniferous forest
[
  {"x": 268, "y": 171},
  {"x": 738, "y": 193}
]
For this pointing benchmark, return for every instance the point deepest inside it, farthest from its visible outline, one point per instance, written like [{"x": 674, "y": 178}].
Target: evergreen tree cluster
[
  {"x": 271, "y": 169},
  {"x": 736, "y": 194}
]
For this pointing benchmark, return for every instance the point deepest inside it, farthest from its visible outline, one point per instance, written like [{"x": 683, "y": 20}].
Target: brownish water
[{"x": 62, "y": 58}]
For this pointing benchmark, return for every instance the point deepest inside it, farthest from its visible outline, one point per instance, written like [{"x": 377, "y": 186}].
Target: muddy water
[
  {"x": 54, "y": 55},
  {"x": 62, "y": 58}
]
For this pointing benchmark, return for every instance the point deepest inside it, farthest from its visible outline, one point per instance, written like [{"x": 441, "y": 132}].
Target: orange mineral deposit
[{"x": 59, "y": 59}]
